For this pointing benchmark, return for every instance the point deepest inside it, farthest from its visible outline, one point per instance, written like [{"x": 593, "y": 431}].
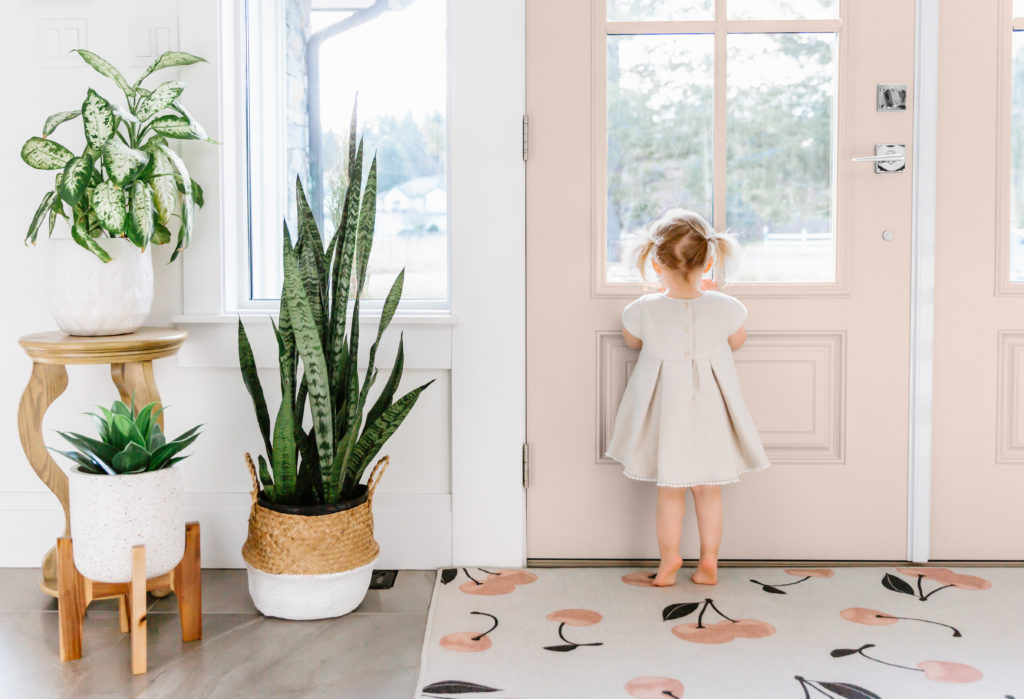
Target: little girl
[{"x": 682, "y": 422}]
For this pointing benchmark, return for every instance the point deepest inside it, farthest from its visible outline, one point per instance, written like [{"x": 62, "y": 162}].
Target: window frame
[
  {"x": 1007, "y": 25},
  {"x": 269, "y": 21},
  {"x": 720, "y": 27}
]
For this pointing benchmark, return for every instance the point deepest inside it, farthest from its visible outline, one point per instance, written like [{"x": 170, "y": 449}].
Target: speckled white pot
[
  {"x": 303, "y": 597},
  {"x": 111, "y": 514},
  {"x": 90, "y": 297}
]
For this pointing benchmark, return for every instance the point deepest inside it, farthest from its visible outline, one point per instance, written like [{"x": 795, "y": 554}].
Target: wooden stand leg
[
  {"x": 71, "y": 601},
  {"x": 137, "y": 610},
  {"x": 122, "y": 612},
  {"x": 188, "y": 587}
]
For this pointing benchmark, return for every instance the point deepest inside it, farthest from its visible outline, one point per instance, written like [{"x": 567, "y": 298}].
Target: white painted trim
[
  {"x": 487, "y": 225},
  {"x": 413, "y": 529},
  {"x": 922, "y": 281}
]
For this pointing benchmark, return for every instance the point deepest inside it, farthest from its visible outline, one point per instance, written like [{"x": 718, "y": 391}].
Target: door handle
[{"x": 889, "y": 158}]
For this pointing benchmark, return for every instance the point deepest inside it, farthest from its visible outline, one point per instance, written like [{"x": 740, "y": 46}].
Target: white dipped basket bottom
[
  {"x": 311, "y": 565},
  {"x": 112, "y": 514}
]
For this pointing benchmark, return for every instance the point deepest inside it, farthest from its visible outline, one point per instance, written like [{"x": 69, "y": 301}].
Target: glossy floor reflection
[{"x": 373, "y": 652}]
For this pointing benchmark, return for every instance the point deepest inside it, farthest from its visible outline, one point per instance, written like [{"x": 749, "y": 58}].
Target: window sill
[{"x": 401, "y": 318}]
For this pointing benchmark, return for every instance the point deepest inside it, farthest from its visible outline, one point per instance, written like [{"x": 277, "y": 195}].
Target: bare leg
[
  {"x": 669, "y": 525},
  {"x": 707, "y": 500}
]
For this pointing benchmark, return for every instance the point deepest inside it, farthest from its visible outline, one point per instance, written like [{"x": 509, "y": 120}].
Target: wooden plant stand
[
  {"x": 76, "y": 592},
  {"x": 131, "y": 368}
]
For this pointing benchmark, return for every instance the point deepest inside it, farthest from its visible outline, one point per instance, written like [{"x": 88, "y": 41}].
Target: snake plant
[
  {"x": 128, "y": 442},
  {"x": 324, "y": 464},
  {"x": 128, "y": 183}
]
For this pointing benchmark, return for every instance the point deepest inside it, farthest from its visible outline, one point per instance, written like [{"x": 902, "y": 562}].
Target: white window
[{"x": 306, "y": 62}]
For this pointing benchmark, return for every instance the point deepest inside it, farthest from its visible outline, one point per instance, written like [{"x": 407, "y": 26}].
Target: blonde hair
[{"x": 682, "y": 240}]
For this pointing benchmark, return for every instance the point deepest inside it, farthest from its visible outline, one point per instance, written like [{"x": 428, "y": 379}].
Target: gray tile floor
[{"x": 372, "y": 652}]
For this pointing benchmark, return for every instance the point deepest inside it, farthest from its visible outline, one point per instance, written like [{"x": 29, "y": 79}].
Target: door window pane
[
  {"x": 660, "y": 117},
  {"x": 664, "y": 10},
  {"x": 1017, "y": 161},
  {"x": 1018, "y": 8},
  {"x": 780, "y": 155},
  {"x": 395, "y": 60},
  {"x": 784, "y": 9}
]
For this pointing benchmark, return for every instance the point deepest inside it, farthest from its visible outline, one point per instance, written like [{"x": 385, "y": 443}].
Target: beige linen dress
[{"x": 682, "y": 420}]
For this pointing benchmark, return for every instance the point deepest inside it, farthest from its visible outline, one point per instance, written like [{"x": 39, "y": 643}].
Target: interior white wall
[{"x": 413, "y": 508}]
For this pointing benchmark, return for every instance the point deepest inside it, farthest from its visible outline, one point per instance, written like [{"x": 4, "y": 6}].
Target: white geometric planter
[
  {"x": 304, "y": 597},
  {"x": 111, "y": 514},
  {"x": 90, "y": 297}
]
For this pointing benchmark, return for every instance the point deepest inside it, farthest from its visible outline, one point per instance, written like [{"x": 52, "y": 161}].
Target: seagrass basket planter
[{"x": 311, "y": 562}]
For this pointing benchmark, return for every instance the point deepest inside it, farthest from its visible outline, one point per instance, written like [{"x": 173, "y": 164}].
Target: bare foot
[
  {"x": 707, "y": 573},
  {"x": 666, "y": 576}
]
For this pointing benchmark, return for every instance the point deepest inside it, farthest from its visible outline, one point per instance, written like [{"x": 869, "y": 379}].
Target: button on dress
[{"x": 682, "y": 420}]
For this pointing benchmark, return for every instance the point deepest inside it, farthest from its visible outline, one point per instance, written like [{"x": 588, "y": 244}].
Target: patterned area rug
[{"x": 850, "y": 633}]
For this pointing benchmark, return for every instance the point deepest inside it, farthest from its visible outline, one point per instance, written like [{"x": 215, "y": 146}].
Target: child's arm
[
  {"x": 632, "y": 340},
  {"x": 737, "y": 339}
]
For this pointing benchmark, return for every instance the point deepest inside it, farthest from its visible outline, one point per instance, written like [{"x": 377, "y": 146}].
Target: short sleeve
[
  {"x": 633, "y": 320},
  {"x": 736, "y": 315}
]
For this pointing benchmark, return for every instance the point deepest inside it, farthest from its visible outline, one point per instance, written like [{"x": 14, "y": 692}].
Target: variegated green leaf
[
  {"x": 37, "y": 219},
  {"x": 123, "y": 114},
  {"x": 108, "y": 202},
  {"x": 159, "y": 99},
  {"x": 161, "y": 234},
  {"x": 173, "y": 126},
  {"x": 75, "y": 179},
  {"x": 142, "y": 213},
  {"x": 187, "y": 205},
  {"x": 55, "y": 120},
  {"x": 196, "y": 126},
  {"x": 43, "y": 154},
  {"x": 165, "y": 191},
  {"x": 103, "y": 67},
  {"x": 123, "y": 164},
  {"x": 99, "y": 120},
  {"x": 81, "y": 236},
  {"x": 307, "y": 341},
  {"x": 169, "y": 59}
]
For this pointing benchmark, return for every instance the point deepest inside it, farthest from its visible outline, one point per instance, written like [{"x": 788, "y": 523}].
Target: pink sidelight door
[{"x": 749, "y": 112}]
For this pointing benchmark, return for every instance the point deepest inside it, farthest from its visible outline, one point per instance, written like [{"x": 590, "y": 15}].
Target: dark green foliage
[
  {"x": 128, "y": 442},
  {"x": 325, "y": 463}
]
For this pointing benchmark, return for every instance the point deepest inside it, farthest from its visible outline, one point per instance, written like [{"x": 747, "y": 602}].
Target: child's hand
[{"x": 708, "y": 284}]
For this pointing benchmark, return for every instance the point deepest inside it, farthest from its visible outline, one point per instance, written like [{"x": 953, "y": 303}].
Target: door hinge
[
  {"x": 526, "y": 465},
  {"x": 526, "y": 137}
]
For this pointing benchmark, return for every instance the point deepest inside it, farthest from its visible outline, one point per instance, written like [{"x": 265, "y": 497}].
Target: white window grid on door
[
  {"x": 720, "y": 27},
  {"x": 1011, "y": 20}
]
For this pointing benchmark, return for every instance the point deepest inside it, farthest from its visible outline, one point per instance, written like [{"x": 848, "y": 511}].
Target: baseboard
[
  {"x": 760, "y": 563},
  {"x": 414, "y": 530}
]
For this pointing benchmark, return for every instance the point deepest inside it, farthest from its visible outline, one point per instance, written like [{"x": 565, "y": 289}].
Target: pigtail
[
  {"x": 642, "y": 254},
  {"x": 727, "y": 252}
]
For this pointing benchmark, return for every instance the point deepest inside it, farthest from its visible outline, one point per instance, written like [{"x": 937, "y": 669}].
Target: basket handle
[
  {"x": 375, "y": 475},
  {"x": 255, "y": 479}
]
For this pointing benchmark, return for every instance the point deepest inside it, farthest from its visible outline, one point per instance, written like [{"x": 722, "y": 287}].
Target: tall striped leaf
[
  {"x": 123, "y": 164},
  {"x": 341, "y": 268},
  {"x": 266, "y": 479},
  {"x": 43, "y": 154},
  {"x": 103, "y": 67},
  {"x": 160, "y": 98},
  {"x": 376, "y": 434},
  {"x": 310, "y": 234},
  {"x": 169, "y": 59},
  {"x": 283, "y": 462},
  {"x": 98, "y": 118},
  {"x": 142, "y": 213},
  {"x": 367, "y": 214},
  {"x": 387, "y": 395},
  {"x": 307, "y": 341},
  {"x": 75, "y": 179},
  {"x": 55, "y": 120},
  {"x": 252, "y": 383},
  {"x": 108, "y": 202},
  {"x": 386, "y": 314},
  {"x": 37, "y": 219}
]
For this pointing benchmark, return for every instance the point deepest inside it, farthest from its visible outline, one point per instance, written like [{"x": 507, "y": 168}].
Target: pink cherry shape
[
  {"x": 654, "y": 687},
  {"x": 945, "y": 671},
  {"x": 862, "y": 615}
]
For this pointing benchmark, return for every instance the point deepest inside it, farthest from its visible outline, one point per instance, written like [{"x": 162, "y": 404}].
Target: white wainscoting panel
[{"x": 1010, "y": 410}]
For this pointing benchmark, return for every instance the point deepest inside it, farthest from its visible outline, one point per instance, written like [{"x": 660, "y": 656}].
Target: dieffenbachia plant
[
  {"x": 128, "y": 183},
  {"x": 323, "y": 465}
]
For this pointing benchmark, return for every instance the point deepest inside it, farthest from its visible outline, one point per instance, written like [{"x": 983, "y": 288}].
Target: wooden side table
[{"x": 131, "y": 367}]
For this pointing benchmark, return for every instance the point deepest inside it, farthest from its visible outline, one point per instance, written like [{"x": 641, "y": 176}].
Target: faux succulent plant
[
  {"x": 128, "y": 183},
  {"x": 323, "y": 465},
  {"x": 128, "y": 442}
]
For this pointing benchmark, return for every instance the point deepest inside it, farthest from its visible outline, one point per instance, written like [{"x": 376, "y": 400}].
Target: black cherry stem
[
  {"x": 804, "y": 684},
  {"x": 923, "y": 599},
  {"x": 573, "y": 643},
  {"x": 956, "y": 632},
  {"x": 860, "y": 651},
  {"x": 466, "y": 571},
  {"x": 806, "y": 577},
  {"x": 719, "y": 611},
  {"x": 484, "y": 570},
  {"x": 668, "y": 693},
  {"x": 477, "y": 638}
]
